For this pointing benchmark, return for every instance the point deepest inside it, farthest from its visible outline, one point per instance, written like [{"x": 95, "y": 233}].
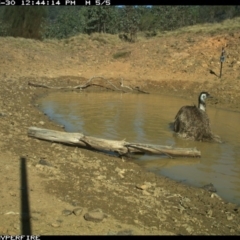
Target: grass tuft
[{"x": 121, "y": 54}]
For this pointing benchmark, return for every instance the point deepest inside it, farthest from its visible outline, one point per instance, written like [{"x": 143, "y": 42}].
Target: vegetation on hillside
[
  {"x": 62, "y": 22},
  {"x": 22, "y": 21}
]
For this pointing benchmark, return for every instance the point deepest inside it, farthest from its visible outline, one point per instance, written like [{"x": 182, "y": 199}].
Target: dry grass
[
  {"x": 111, "y": 47},
  {"x": 121, "y": 54},
  {"x": 105, "y": 38},
  {"x": 226, "y": 26}
]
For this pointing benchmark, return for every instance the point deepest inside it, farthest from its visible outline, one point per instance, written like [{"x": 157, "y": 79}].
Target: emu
[{"x": 192, "y": 122}]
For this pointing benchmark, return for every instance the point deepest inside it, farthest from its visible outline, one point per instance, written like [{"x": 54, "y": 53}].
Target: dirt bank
[{"x": 65, "y": 183}]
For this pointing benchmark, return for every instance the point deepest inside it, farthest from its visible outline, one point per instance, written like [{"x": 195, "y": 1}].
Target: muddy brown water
[{"x": 145, "y": 118}]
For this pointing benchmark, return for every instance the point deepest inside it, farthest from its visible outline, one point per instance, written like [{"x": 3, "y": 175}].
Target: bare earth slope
[{"x": 128, "y": 199}]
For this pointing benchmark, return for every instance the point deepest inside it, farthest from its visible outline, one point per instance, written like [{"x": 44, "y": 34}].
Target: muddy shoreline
[{"x": 65, "y": 178}]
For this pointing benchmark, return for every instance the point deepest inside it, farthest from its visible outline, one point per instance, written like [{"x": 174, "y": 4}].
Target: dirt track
[{"x": 65, "y": 178}]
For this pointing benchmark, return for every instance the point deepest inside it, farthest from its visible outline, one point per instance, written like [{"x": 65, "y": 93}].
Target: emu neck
[{"x": 202, "y": 106}]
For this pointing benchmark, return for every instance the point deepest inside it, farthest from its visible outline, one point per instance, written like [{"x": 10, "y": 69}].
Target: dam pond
[{"x": 145, "y": 118}]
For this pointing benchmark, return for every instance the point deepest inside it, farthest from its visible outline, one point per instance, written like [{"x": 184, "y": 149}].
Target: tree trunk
[{"x": 120, "y": 147}]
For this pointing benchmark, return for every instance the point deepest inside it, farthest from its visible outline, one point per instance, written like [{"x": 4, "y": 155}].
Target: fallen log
[
  {"x": 89, "y": 84},
  {"x": 120, "y": 147},
  {"x": 81, "y": 87}
]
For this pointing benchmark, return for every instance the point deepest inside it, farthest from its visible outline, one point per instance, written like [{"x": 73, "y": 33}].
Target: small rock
[
  {"x": 189, "y": 229},
  {"x": 11, "y": 213},
  {"x": 142, "y": 187},
  {"x": 120, "y": 175},
  {"x": 44, "y": 162},
  {"x": 216, "y": 196},
  {"x": 55, "y": 225},
  {"x": 229, "y": 217},
  {"x": 39, "y": 167},
  {"x": 209, "y": 187},
  {"x": 77, "y": 211},
  {"x": 149, "y": 184},
  {"x": 101, "y": 177},
  {"x": 41, "y": 122},
  {"x": 66, "y": 212},
  {"x": 75, "y": 203},
  {"x": 186, "y": 199},
  {"x": 120, "y": 171},
  {"x": 209, "y": 213},
  {"x": 146, "y": 193},
  {"x": 94, "y": 216}
]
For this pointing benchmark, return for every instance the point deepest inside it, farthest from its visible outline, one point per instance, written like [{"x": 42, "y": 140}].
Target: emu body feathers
[{"x": 192, "y": 122}]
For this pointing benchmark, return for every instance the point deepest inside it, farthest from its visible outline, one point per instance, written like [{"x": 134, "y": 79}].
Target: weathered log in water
[{"x": 120, "y": 147}]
